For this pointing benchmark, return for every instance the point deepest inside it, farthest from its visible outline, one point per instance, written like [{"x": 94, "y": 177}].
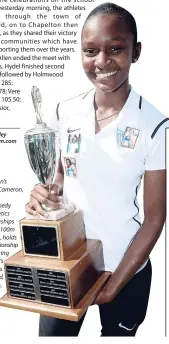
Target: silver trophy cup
[{"x": 42, "y": 147}]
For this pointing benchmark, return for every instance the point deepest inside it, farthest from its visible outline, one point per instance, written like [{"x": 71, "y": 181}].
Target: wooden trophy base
[
  {"x": 58, "y": 312},
  {"x": 62, "y": 289},
  {"x": 59, "y": 273}
]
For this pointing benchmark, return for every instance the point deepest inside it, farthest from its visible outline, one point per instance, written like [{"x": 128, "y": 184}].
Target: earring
[{"x": 135, "y": 59}]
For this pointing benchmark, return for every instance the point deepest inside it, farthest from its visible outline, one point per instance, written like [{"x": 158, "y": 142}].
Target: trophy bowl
[
  {"x": 43, "y": 151},
  {"x": 41, "y": 146}
]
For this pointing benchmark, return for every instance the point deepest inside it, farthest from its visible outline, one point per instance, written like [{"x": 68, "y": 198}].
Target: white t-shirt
[{"x": 104, "y": 172}]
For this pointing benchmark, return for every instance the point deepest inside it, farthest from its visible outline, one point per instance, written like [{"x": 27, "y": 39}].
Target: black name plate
[
  {"x": 48, "y": 286},
  {"x": 40, "y": 240}
]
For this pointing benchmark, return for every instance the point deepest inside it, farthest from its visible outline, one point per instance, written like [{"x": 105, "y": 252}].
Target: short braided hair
[{"x": 113, "y": 9}]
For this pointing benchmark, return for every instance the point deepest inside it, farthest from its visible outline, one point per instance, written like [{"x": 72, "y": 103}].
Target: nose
[{"x": 102, "y": 60}]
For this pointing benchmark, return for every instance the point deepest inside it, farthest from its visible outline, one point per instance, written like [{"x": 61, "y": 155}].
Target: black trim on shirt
[
  {"x": 84, "y": 93},
  {"x": 135, "y": 219},
  {"x": 57, "y": 113},
  {"x": 137, "y": 222},
  {"x": 140, "y": 102},
  {"x": 87, "y": 93},
  {"x": 158, "y": 126},
  {"x": 81, "y": 94},
  {"x": 136, "y": 206}
]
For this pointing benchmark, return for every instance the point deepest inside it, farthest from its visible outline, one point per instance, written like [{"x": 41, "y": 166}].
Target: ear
[{"x": 136, "y": 52}]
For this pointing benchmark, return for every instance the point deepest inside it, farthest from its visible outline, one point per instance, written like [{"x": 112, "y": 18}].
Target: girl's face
[
  {"x": 68, "y": 163},
  {"x": 107, "y": 51}
]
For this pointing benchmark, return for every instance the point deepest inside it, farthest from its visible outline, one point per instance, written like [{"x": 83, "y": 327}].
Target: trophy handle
[{"x": 37, "y": 102}]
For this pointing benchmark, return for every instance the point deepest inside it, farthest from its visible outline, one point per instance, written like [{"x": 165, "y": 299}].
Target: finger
[
  {"x": 55, "y": 198},
  {"x": 100, "y": 299},
  {"x": 37, "y": 207},
  {"x": 37, "y": 196},
  {"x": 55, "y": 187},
  {"x": 40, "y": 210},
  {"x": 43, "y": 193},
  {"x": 51, "y": 188},
  {"x": 54, "y": 205},
  {"x": 30, "y": 209},
  {"x": 107, "y": 282},
  {"x": 42, "y": 190}
]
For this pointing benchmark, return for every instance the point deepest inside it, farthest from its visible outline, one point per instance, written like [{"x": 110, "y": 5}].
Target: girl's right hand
[{"x": 41, "y": 195}]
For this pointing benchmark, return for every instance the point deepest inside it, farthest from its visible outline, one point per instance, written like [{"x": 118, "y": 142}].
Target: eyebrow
[{"x": 117, "y": 38}]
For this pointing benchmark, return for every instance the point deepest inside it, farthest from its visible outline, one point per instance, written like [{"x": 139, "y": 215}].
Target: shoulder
[
  {"x": 72, "y": 104},
  {"x": 151, "y": 119}
]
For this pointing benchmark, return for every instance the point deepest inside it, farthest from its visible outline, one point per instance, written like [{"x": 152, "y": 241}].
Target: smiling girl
[{"x": 122, "y": 140}]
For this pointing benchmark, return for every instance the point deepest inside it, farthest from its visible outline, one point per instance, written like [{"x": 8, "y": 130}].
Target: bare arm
[
  {"x": 60, "y": 176},
  {"x": 138, "y": 252}
]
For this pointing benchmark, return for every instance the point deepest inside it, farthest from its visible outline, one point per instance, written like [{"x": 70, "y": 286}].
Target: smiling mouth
[{"x": 106, "y": 75}]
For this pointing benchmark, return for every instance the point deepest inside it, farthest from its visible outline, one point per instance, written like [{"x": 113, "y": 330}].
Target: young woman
[{"x": 122, "y": 140}]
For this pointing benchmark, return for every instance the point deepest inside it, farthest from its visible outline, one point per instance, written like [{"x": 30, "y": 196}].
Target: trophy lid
[
  {"x": 40, "y": 127},
  {"x": 37, "y": 102}
]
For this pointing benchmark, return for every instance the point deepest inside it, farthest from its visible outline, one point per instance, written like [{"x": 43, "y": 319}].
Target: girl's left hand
[{"x": 106, "y": 295}]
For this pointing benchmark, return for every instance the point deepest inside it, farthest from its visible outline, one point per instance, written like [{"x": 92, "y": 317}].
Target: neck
[{"x": 114, "y": 100}]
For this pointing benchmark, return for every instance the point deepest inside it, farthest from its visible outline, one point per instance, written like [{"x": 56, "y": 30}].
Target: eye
[
  {"x": 116, "y": 50},
  {"x": 90, "y": 52}
]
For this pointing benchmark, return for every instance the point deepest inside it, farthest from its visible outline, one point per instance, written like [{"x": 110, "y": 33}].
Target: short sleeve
[
  {"x": 54, "y": 122},
  {"x": 156, "y": 151}
]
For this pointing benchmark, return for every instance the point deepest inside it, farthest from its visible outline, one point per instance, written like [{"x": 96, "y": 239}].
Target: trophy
[
  {"x": 58, "y": 272},
  {"x": 42, "y": 147}
]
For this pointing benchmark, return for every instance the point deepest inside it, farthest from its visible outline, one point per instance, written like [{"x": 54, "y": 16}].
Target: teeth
[{"x": 105, "y": 75}]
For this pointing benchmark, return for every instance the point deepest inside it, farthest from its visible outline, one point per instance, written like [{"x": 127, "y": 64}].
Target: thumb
[
  {"x": 55, "y": 189},
  {"x": 97, "y": 299}
]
